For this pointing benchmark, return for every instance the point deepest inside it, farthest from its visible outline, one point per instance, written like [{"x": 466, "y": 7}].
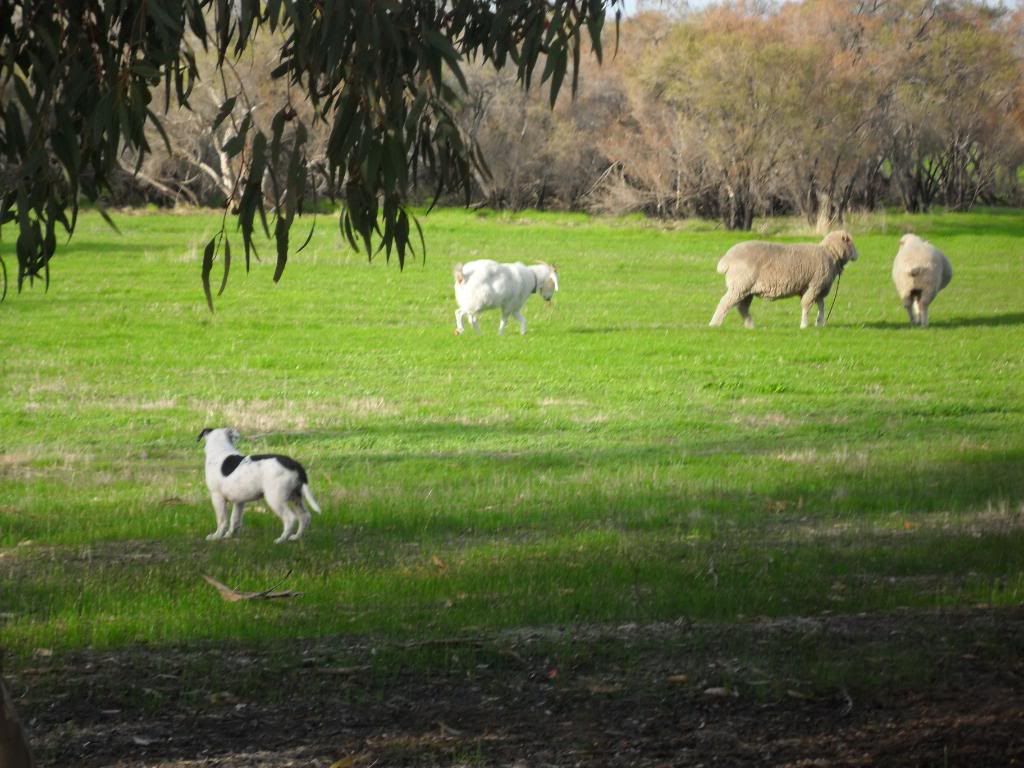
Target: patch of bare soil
[{"x": 934, "y": 689}]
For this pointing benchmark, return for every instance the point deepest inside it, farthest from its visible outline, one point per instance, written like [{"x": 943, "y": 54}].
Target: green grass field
[{"x": 622, "y": 462}]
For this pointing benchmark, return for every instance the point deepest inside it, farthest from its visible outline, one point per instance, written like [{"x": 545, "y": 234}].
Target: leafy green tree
[
  {"x": 82, "y": 80},
  {"x": 727, "y": 81}
]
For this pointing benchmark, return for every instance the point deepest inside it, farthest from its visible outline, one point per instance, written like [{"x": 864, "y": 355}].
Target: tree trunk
[{"x": 14, "y": 751}]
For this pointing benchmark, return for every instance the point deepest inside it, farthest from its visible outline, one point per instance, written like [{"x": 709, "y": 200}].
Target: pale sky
[{"x": 630, "y": 6}]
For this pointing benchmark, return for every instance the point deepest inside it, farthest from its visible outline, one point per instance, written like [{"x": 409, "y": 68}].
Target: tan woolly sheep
[
  {"x": 776, "y": 271},
  {"x": 920, "y": 271}
]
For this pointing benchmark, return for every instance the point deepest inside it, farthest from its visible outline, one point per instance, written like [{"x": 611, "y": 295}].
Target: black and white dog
[{"x": 237, "y": 479}]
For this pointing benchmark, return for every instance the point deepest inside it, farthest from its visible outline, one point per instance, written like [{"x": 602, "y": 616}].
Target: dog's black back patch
[
  {"x": 286, "y": 461},
  {"x": 230, "y": 464}
]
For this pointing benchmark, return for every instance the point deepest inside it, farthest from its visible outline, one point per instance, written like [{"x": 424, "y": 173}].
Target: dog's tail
[{"x": 308, "y": 496}]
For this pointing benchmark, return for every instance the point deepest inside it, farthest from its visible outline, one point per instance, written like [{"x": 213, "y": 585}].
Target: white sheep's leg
[
  {"x": 475, "y": 322},
  {"x": 922, "y": 314},
  {"x": 503, "y": 323},
  {"x": 727, "y": 302},
  {"x": 220, "y": 508},
  {"x": 236, "y": 519},
  {"x": 518, "y": 315},
  {"x": 908, "y": 305},
  {"x": 915, "y": 307},
  {"x": 820, "y": 322},
  {"x": 743, "y": 307},
  {"x": 458, "y": 320}
]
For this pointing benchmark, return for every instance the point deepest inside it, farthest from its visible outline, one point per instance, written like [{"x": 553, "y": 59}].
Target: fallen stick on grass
[{"x": 234, "y": 596}]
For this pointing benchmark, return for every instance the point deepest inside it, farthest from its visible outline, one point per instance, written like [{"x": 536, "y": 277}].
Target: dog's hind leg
[
  {"x": 303, "y": 516},
  {"x": 286, "y": 531},
  {"x": 220, "y": 507},
  {"x": 288, "y": 518},
  {"x": 236, "y": 519}
]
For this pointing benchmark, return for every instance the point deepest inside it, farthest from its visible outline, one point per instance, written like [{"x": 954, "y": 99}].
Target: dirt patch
[{"x": 925, "y": 690}]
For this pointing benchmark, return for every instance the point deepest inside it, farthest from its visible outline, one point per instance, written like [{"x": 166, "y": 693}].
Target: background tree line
[{"x": 810, "y": 108}]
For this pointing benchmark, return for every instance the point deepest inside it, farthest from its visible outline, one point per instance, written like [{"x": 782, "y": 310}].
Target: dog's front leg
[
  {"x": 236, "y": 519},
  {"x": 220, "y": 507}
]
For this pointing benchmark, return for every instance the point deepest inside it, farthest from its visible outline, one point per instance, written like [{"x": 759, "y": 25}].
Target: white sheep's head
[
  {"x": 910, "y": 237},
  {"x": 841, "y": 244},
  {"x": 550, "y": 284}
]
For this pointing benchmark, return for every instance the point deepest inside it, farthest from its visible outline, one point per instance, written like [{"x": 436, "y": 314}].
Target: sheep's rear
[{"x": 919, "y": 272}]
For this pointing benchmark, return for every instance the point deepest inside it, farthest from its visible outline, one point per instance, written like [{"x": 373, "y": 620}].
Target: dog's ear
[
  {"x": 203, "y": 434},
  {"x": 233, "y": 436}
]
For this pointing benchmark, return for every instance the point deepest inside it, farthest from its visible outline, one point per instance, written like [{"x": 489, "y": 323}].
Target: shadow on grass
[
  {"x": 984, "y": 321},
  {"x": 789, "y": 470},
  {"x": 929, "y": 663},
  {"x": 601, "y": 330},
  {"x": 574, "y": 548},
  {"x": 658, "y": 488}
]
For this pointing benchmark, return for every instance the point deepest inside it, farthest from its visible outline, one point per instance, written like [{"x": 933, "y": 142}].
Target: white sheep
[
  {"x": 920, "y": 271},
  {"x": 485, "y": 284},
  {"x": 776, "y": 271}
]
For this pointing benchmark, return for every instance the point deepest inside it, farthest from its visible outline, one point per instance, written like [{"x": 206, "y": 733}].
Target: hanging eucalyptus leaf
[{"x": 382, "y": 75}]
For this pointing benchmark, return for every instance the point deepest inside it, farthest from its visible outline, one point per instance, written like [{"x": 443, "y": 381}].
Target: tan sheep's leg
[
  {"x": 805, "y": 309},
  {"x": 820, "y": 322},
  {"x": 728, "y": 302},
  {"x": 744, "y": 309},
  {"x": 922, "y": 314}
]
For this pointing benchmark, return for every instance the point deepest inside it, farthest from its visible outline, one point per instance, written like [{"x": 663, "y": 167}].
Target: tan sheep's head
[{"x": 841, "y": 244}]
